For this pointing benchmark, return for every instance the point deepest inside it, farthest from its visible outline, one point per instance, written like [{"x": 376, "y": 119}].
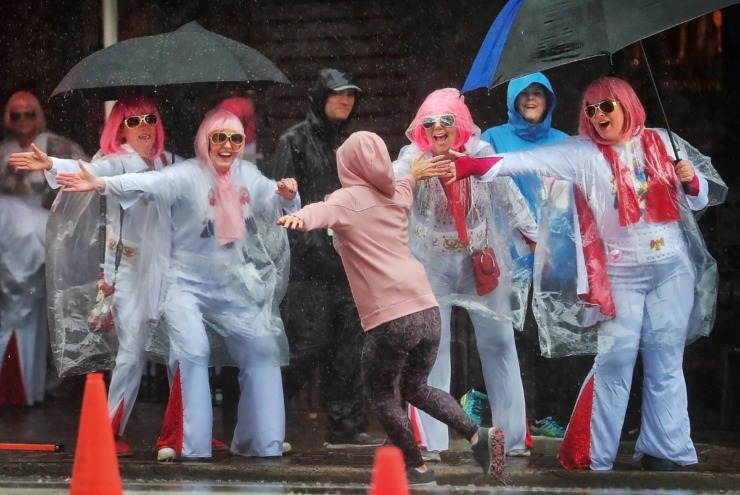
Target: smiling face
[
  {"x": 531, "y": 103},
  {"x": 140, "y": 138},
  {"x": 608, "y": 126},
  {"x": 441, "y": 139},
  {"x": 223, "y": 155}
]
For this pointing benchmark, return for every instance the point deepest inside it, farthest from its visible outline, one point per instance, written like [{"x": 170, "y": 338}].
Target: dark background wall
[{"x": 398, "y": 56}]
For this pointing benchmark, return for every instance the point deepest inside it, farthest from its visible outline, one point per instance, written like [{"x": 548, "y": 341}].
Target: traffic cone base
[{"x": 95, "y": 470}]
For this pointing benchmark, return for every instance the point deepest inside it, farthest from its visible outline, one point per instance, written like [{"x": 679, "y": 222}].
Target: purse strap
[{"x": 101, "y": 238}]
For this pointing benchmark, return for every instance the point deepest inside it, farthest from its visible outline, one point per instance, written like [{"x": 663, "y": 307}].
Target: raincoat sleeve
[
  {"x": 559, "y": 161},
  {"x": 101, "y": 167},
  {"x": 166, "y": 185},
  {"x": 263, "y": 191},
  {"x": 402, "y": 165},
  {"x": 712, "y": 189}
]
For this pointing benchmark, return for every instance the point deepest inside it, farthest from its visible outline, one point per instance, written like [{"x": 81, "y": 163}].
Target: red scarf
[
  {"x": 458, "y": 204},
  {"x": 661, "y": 192}
]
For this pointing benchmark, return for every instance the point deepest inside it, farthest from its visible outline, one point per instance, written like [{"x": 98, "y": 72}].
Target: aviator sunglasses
[
  {"x": 15, "y": 116},
  {"x": 447, "y": 120},
  {"x": 606, "y": 106},
  {"x": 135, "y": 121},
  {"x": 221, "y": 137}
]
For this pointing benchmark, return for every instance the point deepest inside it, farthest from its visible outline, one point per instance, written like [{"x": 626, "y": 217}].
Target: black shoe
[
  {"x": 650, "y": 463},
  {"x": 360, "y": 440},
  {"x": 417, "y": 477}
]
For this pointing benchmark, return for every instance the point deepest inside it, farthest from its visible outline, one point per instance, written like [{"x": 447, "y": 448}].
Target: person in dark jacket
[{"x": 321, "y": 320}]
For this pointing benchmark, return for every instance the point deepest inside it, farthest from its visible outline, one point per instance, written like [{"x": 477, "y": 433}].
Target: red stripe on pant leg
[
  {"x": 12, "y": 390},
  {"x": 172, "y": 426},
  {"x": 575, "y": 451},
  {"x": 528, "y": 440},
  {"x": 117, "y": 418}
]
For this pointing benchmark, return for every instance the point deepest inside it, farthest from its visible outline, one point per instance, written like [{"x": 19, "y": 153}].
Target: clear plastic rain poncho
[
  {"x": 83, "y": 240},
  {"x": 586, "y": 237},
  {"x": 491, "y": 211},
  {"x": 235, "y": 288}
]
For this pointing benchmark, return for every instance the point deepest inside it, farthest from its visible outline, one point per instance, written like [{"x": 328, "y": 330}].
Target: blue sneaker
[
  {"x": 547, "y": 427},
  {"x": 474, "y": 404}
]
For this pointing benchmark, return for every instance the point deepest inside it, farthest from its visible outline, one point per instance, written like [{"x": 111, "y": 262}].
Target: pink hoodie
[{"x": 369, "y": 217}]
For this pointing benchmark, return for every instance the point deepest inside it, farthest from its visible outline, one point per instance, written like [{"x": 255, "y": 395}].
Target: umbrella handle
[{"x": 686, "y": 185}]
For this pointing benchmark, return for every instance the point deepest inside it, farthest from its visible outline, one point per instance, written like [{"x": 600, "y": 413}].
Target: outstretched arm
[
  {"x": 31, "y": 160},
  {"x": 81, "y": 181}
]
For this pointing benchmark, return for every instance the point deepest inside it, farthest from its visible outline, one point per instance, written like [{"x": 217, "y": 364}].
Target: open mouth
[
  {"x": 604, "y": 124},
  {"x": 440, "y": 138}
]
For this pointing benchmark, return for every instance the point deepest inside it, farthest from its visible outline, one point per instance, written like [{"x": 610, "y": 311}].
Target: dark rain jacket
[{"x": 307, "y": 152}]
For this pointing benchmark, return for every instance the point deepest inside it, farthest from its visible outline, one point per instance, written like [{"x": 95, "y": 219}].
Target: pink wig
[
  {"x": 244, "y": 109},
  {"x": 620, "y": 90},
  {"x": 216, "y": 119},
  {"x": 112, "y": 138},
  {"x": 31, "y": 101},
  {"x": 442, "y": 101}
]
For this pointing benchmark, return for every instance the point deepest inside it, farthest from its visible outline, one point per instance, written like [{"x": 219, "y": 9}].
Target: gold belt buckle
[{"x": 657, "y": 244}]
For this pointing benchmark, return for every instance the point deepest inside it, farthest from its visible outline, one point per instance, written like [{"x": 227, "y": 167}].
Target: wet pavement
[{"x": 309, "y": 466}]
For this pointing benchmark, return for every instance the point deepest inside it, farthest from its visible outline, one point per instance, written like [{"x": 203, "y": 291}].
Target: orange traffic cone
[
  {"x": 95, "y": 469},
  {"x": 389, "y": 473}
]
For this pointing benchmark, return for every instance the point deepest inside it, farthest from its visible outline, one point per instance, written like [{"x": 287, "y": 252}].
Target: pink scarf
[
  {"x": 229, "y": 219},
  {"x": 661, "y": 192}
]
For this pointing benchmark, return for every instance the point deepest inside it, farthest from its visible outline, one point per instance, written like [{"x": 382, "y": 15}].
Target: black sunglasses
[
  {"x": 16, "y": 116},
  {"x": 446, "y": 120},
  {"x": 135, "y": 121},
  {"x": 606, "y": 106},
  {"x": 221, "y": 137}
]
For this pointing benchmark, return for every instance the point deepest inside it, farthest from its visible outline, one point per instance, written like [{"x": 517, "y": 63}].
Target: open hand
[
  {"x": 31, "y": 160},
  {"x": 84, "y": 180},
  {"x": 290, "y": 222},
  {"x": 437, "y": 166}
]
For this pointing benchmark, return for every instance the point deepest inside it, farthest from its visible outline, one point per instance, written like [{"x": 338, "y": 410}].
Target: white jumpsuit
[
  {"x": 215, "y": 296},
  {"x": 652, "y": 281}
]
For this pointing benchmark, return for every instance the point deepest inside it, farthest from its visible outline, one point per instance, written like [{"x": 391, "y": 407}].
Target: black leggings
[{"x": 407, "y": 347}]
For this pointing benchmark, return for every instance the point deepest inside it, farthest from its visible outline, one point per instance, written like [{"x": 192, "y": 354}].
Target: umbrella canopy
[
  {"x": 534, "y": 35},
  {"x": 189, "y": 56}
]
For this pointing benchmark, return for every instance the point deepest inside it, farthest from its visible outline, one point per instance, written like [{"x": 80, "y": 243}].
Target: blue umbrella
[{"x": 534, "y": 35}]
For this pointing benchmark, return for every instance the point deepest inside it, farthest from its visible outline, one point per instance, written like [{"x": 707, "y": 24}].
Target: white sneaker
[
  {"x": 430, "y": 456},
  {"x": 166, "y": 454},
  {"x": 519, "y": 453},
  {"x": 287, "y": 447}
]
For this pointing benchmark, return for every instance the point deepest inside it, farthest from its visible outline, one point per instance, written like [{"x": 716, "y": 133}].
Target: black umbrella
[
  {"x": 534, "y": 35},
  {"x": 189, "y": 58}
]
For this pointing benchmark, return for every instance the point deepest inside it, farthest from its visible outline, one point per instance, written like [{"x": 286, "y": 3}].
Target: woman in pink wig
[
  {"x": 220, "y": 284},
  {"x": 663, "y": 282},
  {"x": 448, "y": 224}
]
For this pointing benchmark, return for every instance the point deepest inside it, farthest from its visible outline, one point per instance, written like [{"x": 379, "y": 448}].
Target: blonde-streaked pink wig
[{"x": 440, "y": 102}]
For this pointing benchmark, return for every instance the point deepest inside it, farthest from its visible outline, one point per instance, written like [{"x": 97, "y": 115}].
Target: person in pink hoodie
[{"x": 398, "y": 311}]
